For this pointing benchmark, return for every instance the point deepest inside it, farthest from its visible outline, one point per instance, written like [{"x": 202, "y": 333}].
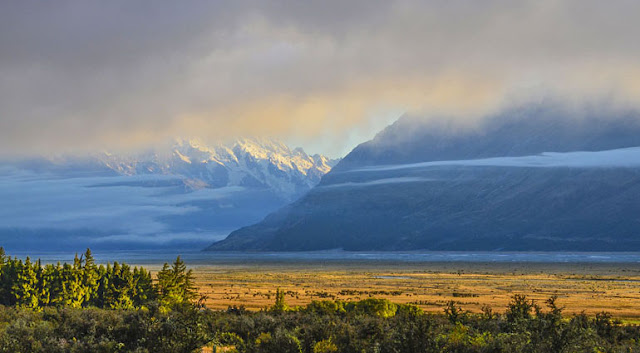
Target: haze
[{"x": 87, "y": 75}]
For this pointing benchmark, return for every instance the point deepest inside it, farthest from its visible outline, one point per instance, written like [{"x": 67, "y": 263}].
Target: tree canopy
[{"x": 29, "y": 284}]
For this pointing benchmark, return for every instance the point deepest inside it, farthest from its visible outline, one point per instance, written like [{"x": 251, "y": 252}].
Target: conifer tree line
[{"x": 29, "y": 284}]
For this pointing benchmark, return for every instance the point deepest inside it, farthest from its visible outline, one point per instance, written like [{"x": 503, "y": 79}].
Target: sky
[{"x": 85, "y": 75}]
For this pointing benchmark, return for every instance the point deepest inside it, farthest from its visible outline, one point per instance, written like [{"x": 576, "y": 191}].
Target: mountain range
[
  {"x": 247, "y": 162},
  {"x": 184, "y": 194},
  {"x": 532, "y": 178}
]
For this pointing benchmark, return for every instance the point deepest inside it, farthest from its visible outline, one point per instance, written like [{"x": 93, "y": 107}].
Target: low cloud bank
[{"x": 620, "y": 158}]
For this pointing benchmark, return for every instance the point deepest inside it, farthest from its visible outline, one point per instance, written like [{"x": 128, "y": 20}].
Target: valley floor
[{"x": 589, "y": 288}]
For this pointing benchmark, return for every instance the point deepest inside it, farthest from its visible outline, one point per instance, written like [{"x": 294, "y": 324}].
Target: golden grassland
[{"x": 589, "y": 288}]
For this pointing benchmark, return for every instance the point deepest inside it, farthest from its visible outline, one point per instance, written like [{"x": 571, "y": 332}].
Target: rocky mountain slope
[{"x": 534, "y": 178}]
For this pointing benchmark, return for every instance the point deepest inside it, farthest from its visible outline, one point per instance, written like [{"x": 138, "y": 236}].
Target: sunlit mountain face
[
  {"x": 532, "y": 178},
  {"x": 186, "y": 195}
]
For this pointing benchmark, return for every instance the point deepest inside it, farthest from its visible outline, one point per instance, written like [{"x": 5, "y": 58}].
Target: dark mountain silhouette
[{"x": 534, "y": 178}]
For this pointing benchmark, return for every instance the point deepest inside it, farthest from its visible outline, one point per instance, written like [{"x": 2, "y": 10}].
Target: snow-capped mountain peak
[
  {"x": 246, "y": 162},
  {"x": 185, "y": 192}
]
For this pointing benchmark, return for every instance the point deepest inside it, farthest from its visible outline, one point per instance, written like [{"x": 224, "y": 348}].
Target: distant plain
[{"x": 581, "y": 287}]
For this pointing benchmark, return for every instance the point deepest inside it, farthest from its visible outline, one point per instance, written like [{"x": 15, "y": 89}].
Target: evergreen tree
[
  {"x": 123, "y": 281},
  {"x": 144, "y": 290},
  {"x": 100, "y": 299},
  {"x": 82, "y": 283},
  {"x": 166, "y": 285},
  {"x": 54, "y": 284},
  {"x": 42, "y": 285},
  {"x": 72, "y": 289},
  {"x": 185, "y": 280},
  {"x": 112, "y": 290},
  {"x": 25, "y": 285},
  {"x": 5, "y": 281},
  {"x": 280, "y": 304},
  {"x": 175, "y": 284},
  {"x": 90, "y": 277}
]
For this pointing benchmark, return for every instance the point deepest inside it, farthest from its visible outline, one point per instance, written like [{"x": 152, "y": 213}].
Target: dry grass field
[{"x": 591, "y": 288}]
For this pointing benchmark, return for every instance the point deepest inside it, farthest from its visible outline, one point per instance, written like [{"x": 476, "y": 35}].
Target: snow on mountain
[
  {"x": 184, "y": 195},
  {"x": 247, "y": 162}
]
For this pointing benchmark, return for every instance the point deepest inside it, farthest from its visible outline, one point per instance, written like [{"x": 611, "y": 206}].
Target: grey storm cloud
[{"x": 78, "y": 75}]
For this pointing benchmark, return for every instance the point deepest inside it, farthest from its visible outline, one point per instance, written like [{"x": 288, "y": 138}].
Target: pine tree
[
  {"x": 176, "y": 284},
  {"x": 111, "y": 292},
  {"x": 72, "y": 289},
  {"x": 55, "y": 287},
  {"x": 9, "y": 276},
  {"x": 5, "y": 281},
  {"x": 42, "y": 285},
  {"x": 185, "y": 280},
  {"x": 280, "y": 304},
  {"x": 117, "y": 294},
  {"x": 82, "y": 283},
  {"x": 144, "y": 291},
  {"x": 124, "y": 283},
  {"x": 90, "y": 277},
  {"x": 25, "y": 286},
  {"x": 166, "y": 286},
  {"x": 105, "y": 273}
]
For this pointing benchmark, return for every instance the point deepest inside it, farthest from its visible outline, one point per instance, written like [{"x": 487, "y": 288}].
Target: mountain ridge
[
  {"x": 515, "y": 182},
  {"x": 252, "y": 162}
]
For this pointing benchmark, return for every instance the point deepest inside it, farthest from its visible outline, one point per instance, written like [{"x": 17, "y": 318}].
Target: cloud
[
  {"x": 81, "y": 75},
  {"x": 384, "y": 181},
  {"x": 617, "y": 158},
  {"x": 112, "y": 209}
]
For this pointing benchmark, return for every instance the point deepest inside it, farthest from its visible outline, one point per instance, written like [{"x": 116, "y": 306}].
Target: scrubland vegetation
[
  {"x": 170, "y": 318},
  {"x": 370, "y": 325},
  {"x": 589, "y": 288}
]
